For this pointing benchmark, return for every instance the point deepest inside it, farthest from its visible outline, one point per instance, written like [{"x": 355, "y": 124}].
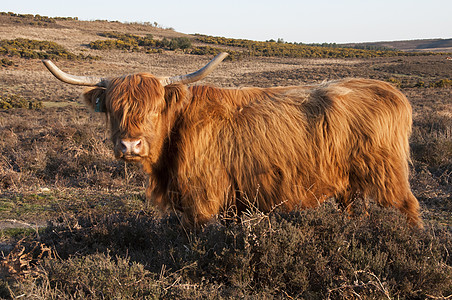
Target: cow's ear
[
  {"x": 95, "y": 98},
  {"x": 176, "y": 97}
]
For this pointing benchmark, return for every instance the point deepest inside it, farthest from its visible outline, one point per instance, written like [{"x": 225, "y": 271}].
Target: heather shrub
[
  {"x": 313, "y": 254},
  {"x": 431, "y": 141},
  {"x": 96, "y": 276}
]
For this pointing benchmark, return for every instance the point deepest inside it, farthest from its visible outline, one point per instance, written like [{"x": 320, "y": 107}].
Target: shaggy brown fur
[{"x": 208, "y": 149}]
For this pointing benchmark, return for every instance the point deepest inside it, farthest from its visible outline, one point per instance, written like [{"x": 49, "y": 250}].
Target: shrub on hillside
[
  {"x": 112, "y": 44},
  {"x": 282, "y": 49},
  {"x": 180, "y": 43},
  {"x": 35, "y": 18},
  {"x": 207, "y": 50},
  {"x": 8, "y": 101},
  {"x": 28, "y": 48},
  {"x": 130, "y": 42},
  {"x": 442, "y": 83},
  {"x": 6, "y": 62}
]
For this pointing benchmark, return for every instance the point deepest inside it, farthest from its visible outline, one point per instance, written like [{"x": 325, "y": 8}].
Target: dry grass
[{"x": 69, "y": 210}]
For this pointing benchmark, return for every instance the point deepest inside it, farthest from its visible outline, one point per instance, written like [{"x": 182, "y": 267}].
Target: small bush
[
  {"x": 98, "y": 275},
  {"x": 443, "y": 83},
  {"x": 6, "y": 62},
  {"x": 180, "y": 43},
  {"x": 207, "y": 50},
  {"x": 16, "y": 101},
  {"x": 420, "y": 84},
  {"x": 432, "y": 141},
  {"x": 112, "y": 44},
  {"x": 395, "y": 82}
]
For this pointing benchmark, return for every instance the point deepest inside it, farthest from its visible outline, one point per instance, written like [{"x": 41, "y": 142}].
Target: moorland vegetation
[
  {"x": 74, "y": 222},
  {"x": 238, "y": 48}
]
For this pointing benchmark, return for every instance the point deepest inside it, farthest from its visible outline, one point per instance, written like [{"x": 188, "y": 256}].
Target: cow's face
[
  {"x": 134, "y": 105},
  {"x": 137, "y": 105}
]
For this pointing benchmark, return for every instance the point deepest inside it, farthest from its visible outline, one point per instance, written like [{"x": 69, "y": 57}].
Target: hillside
[
  {"x": 75, "y": 223},
  {"x": 434, "y": 45}
]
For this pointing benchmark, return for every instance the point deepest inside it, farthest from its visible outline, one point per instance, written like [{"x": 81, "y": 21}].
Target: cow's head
[{"x": 137, "y": 106}]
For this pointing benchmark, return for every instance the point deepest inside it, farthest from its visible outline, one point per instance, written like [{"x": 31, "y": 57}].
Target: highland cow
[{"x": 207, "y": 149}]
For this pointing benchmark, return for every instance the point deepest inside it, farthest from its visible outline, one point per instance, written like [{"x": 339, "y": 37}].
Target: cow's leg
[
  {"x": 390, "y": 188},
  {"x": 348, "y": 202},
  {"x": 403, "y": 199},
  {"x": 199, "y": 211},
  {"x": 202, "y": 200},
  {"x": 345, "y": 200},
  {"x": 410, "y": 206}
]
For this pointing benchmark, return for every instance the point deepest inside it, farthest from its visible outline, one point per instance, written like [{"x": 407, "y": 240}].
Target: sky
[{"x": 314, "y": 21}]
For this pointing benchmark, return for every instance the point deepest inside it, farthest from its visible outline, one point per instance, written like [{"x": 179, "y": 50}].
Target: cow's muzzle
[{"x": 129, "y": 149}]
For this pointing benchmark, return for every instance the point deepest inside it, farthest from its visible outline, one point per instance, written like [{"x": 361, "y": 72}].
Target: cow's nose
[{"x": 130, "y": 146}]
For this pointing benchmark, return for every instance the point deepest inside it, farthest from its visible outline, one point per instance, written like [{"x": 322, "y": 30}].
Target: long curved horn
[
  {"x": 198, "y": 75},
  {"x": 73, "y": 79}
]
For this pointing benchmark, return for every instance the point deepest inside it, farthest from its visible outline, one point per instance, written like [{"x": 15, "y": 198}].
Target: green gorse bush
[
  {"x": 27, "y": 48},
  {"x": 130, "y": 42},
  {"x": 9, "y": 101}
]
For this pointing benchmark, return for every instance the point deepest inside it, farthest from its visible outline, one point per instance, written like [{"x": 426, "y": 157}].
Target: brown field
[{"x": 57, "y": 169}]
